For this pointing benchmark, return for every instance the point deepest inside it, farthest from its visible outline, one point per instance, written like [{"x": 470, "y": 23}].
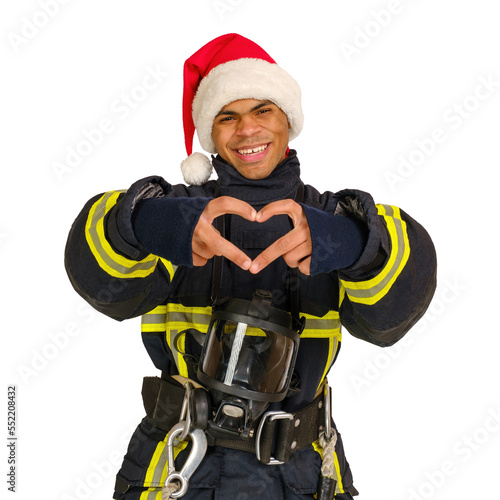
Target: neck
[{"x": 281, "y": 183}]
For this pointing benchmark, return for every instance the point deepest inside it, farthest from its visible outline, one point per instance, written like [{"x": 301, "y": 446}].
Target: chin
[{"x": 254, "y": 173}]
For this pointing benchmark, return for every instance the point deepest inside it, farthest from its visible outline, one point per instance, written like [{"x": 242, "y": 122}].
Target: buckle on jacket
[{"x": 269, "y": 416}]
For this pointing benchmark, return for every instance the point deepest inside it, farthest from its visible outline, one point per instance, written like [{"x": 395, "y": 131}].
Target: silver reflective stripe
[
  {"x": 322, "y": 324},
  {"x": 150, "y": 319},
  {"x": 173, "y": 346},
  {"x": 160, "y": 466},
  {"x": 151, "y": 495},
  {"x": 187, "y": 317}
]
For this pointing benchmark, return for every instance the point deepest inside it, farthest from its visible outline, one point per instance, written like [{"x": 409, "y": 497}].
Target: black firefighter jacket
[{"x": 377, "y": 298}]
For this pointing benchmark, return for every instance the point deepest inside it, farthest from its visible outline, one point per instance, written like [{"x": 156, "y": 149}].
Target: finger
[
  {"x": 280, "y": 207},
  {"x": 280, "y": 247},
  {"x": 202, "y": 251},
  {"x": 298, "y": 254},
  {"x": 199, "y": 261},
  {"x": 234, "y": 254},
  {"x": 305, "y": 266},
  {"x": 203, "y": 237},
  {"x": 228, "y": 205},
  {"x": 208, "y": 242},
  {"x": 214, "y": 244}
]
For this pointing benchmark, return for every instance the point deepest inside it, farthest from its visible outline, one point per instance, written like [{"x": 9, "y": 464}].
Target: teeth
[{"x": 258, "y": 149}]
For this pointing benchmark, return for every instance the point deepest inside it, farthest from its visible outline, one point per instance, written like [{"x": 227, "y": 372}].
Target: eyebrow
[{"x": 234, "y": 113}]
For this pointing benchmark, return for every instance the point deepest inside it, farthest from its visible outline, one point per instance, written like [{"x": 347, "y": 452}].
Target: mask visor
[{"x": 241, "y": 357}]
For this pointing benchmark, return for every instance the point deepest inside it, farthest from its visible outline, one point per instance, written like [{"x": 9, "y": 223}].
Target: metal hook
[
  {"x": 196, "y": 455},
  {"x": 179, "y": 432}
]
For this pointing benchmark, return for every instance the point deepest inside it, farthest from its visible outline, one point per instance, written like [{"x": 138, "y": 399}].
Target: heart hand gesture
[{"x": 295, "y": 246}]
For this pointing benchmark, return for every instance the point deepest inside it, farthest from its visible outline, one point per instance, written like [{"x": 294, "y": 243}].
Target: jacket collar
[{"x": 281, "y": 183}]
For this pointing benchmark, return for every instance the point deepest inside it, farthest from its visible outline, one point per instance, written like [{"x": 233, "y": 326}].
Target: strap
[
  {"x": 326, "y": 488},
  {"x": 291, "y": 435},
  {"x": 300, "y": 432},
  {"x": 294, "y": 281},
  {"x": 162, "y": 398},
  {"x": 217, "y": 270},
  {"x": 121, "y": 486},
  {"x": 220, "y": 225}
]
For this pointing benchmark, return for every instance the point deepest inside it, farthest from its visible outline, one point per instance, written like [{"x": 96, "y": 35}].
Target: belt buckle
[{"x": 271, "y": 416}]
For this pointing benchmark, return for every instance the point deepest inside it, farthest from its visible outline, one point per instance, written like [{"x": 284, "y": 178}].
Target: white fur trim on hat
[
  {"x": 245, "y": 79},
  {"x": 196, "y": 169}
]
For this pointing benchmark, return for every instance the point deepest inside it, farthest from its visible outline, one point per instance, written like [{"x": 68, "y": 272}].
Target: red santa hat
[{"x": 224, "y": 70}]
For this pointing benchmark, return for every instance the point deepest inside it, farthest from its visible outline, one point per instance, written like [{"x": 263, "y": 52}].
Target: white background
[{"x": 418, "y": 420}]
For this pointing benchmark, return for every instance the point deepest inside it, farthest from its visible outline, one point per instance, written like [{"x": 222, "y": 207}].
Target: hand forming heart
[{"x": 295, "y": 246}]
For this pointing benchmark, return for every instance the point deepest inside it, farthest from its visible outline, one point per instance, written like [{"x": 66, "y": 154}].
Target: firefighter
[{"x": 243, "y": 283}]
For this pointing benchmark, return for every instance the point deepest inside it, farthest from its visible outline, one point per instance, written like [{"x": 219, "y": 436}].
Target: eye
[
  {"x": 226, "y": 119},
  {"x": 262, "y": 111}
]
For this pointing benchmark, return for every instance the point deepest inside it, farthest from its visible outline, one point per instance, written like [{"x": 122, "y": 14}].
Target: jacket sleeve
[
  {"x": 389, "y": 287},
  {"x": 105, "y": 262}
]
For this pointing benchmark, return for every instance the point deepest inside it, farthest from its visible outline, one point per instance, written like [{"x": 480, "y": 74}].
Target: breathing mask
[{"x": 247, "y": 360}]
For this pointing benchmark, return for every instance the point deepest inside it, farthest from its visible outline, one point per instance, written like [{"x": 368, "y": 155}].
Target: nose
[{"x": 248, "y": 126}]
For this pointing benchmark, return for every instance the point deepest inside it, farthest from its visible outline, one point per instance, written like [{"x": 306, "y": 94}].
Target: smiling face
[{"x": 252, "y": 136}]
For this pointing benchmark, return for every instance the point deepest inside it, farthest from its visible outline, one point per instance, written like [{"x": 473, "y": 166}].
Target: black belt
[
  {"x": 289, "y": 432},
  {"x": 278, "y": 431}
]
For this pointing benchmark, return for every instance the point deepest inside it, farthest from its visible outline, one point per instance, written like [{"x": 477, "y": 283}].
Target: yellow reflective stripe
[
  {"x": 183, "y": 325},
  {"x": 317, "y": 448},
  {"x": 187, "y": 311},
  {"x": 153, "y": 327},
  {"x": 180, "y": 318},
  {"x": 340, "y": 486},
  {"x": 178, "y": 355},
  {"x": 161, "y": 309},
  {"x": 324, "y": 327},
  {"x": 175, "y": 318},
  {"x": 158, "y": 466},
  {"x": 170, "y": 267},
  {"x": 113, "y": 263},
  {"x": 371, "y": 291},
  {"x": 341, "y": 293},
  {"x": 155, "y": 459},
  {"x": 181, "y": 363},
  {"x": 333, "y": 345}
]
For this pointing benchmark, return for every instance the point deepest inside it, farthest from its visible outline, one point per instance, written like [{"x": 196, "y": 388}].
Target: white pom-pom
[{"x": 196, "y": 169}]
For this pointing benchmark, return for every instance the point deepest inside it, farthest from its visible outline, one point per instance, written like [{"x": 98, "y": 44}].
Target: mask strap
[{"x": 294, "y": 281}]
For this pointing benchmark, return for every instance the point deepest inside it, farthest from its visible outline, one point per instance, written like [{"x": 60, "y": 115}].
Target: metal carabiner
[
  {"x": 185, "y": 413},
  {"x": 196, "y": 455},
  {"x": 329, "y": 431}
]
